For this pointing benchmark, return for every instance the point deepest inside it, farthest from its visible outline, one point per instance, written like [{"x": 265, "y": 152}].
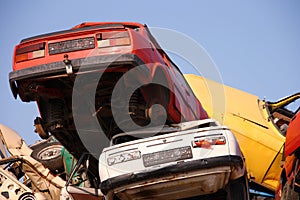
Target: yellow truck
[{"x": 258, "y": 125}]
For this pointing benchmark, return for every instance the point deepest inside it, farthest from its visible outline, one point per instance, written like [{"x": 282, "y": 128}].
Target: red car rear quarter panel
[{"x": 293, "y": 136}]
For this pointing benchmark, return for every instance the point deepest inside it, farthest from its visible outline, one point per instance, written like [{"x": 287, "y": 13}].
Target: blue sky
[{"x": 255, "y": 44}]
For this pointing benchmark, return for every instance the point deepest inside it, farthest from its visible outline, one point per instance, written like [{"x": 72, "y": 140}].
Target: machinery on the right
[{"x": 289, "y": 187}]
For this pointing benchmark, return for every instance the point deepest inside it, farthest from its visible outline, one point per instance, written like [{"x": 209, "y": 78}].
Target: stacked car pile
[
  {"x": 130, "y": 124},
  {"x": 113, "y": 81}
]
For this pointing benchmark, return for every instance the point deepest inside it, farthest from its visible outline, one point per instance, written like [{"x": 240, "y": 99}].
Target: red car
[
  {"x": 61, "y": 72},
  {"x": 289, "y": 188}
]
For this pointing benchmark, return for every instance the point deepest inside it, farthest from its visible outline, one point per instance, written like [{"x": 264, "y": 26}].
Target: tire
[
  {"x": 49, "y": 154},
  {"x": 27, "y": 196},
  {"x": 238, "y": 189},
  {"x": 288, "y": 193}
]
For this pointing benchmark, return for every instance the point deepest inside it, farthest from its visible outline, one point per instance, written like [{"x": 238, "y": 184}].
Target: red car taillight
[
  {"x": 114, "y": 38},
  {"x": 208, "y": 142},
  {"x": 30, "y": 52}
]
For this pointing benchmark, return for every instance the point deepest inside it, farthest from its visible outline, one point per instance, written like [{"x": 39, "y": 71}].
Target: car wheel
[
  {"x": 238, "y": 189},
  {"x": 49, "y": 154},
  {"x": 288, "y": 193},
  {"x": 27, "y": 196}
]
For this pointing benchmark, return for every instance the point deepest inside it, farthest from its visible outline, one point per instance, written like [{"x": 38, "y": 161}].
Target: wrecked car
[
  {"x": 39, "y": 182},
  {"x": 259, "y": 126},
  {"x": 59, "y": 69},
  {"x": 29, "y": 173},
  {"x": 289, "y": 188},
  {"x": 198, "y": 159}
]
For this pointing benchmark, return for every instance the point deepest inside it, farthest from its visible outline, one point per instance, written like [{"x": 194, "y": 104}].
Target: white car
[{"x": 190, "y": 159}]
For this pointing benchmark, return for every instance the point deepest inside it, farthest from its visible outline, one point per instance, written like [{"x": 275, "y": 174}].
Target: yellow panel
[{"x": 247, "y": 117}]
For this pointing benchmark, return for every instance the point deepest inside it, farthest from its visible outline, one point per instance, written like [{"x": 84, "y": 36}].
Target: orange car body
[
  {"x": 293, "y": 136},
  {"x": 289, "y": 187}
]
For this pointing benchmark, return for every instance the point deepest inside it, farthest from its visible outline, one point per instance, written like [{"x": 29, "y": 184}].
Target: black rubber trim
[
  {"x": 259, "y": 187},
  {"x": 55, "y": 67},
  {"x": 181, "y": 167},
  {"x": 88, "y": 63}
]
